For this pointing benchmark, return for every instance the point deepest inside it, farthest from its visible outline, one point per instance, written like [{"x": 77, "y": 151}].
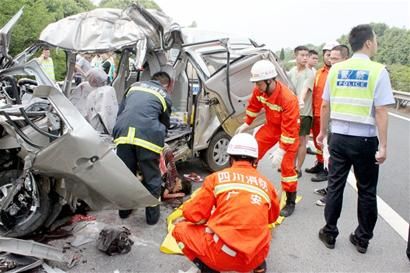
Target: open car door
[{"x": 227, "y": 68}]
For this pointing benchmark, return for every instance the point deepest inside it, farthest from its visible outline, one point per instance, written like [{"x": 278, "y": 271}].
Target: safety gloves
[
  {"x": 277, "y": 157},
  {"x": 242, "y": 128}
]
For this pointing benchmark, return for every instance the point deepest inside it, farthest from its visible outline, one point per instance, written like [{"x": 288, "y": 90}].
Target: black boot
[
  {"x": 203, "y": 267},
  {"x": 315, "y": 169},
  {"x": 125, "y": 213},
  {"x": 290, "y": 204},
  {"x": 321, "y": 176},
  {"x": 261, "y": 268},
  {"x": 152, "y": 214}
]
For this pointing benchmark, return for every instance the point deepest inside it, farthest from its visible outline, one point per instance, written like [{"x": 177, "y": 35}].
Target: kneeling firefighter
[{"x": 235, "y": 235}]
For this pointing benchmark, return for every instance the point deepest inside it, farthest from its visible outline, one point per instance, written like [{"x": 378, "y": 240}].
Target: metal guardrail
[{"x": 402, "y": 98}]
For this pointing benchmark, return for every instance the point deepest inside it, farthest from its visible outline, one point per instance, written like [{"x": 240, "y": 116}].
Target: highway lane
[
  {"x": 394, "y": 178},
  {"x": 295, "y": 244}
]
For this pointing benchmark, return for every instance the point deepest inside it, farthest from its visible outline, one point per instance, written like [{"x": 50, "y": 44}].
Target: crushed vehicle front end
[{"x": 50, "y": 155}]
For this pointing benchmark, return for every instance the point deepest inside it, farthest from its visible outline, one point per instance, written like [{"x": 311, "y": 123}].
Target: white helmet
[
  {"x": 263, "y": 70},
  {"x": 243, "y": 144},
  {"x": 330, "y": 45}
]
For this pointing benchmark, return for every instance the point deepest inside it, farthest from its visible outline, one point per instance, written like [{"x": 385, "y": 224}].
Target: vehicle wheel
[
  {"x": 216, "y": 156},
  {"x": 30, "y": 217}
]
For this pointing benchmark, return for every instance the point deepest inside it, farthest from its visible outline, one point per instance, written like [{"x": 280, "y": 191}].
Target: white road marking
[
  {"x": 398, "y": 116},
  {"x": 386, "y": 212}
]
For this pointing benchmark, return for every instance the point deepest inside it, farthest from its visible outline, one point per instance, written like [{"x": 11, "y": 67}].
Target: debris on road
[{"x": 115, "y": 241}]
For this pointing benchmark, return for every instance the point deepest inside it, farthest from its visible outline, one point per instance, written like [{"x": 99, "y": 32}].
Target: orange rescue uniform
[
  {"x": 318, "y": 87},
  {"x": 282, "y": 124},
  {"x": 237, "y": 204}
]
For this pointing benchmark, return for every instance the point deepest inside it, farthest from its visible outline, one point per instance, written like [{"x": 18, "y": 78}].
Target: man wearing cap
[{"x": 282, "y": 125}]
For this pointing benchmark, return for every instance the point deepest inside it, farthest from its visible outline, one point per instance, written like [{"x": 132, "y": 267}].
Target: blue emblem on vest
[{"x": 353, "y": 78}]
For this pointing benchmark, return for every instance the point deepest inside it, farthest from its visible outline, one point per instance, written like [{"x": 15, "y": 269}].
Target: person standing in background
[
  {"x": 46, "y": 63},
  {"x": 337, "y": 54},
  {"x": 302, "y": 79},
  {"x": 355, "y": 100},
  {"x": 319, "y": 85},
  {"x": 313, "y": 59}
]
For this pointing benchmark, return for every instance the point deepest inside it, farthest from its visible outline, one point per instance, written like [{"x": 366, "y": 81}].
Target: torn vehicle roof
[{"x": 105, "y": 29}]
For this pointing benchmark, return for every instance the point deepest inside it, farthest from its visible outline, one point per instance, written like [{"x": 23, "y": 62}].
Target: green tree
[
  {"x": 63, "y": 8},
  {"x": 400, "y": 76},
  {"x": 282, "y": 54},
  {"x": 36, "y": 16},
  {"x": 121, "y": 4},
  {"x": 394, "y": 47}
]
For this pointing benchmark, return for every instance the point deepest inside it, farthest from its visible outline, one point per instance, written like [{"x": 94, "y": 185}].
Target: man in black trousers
[{"x": 355, "y": 99}]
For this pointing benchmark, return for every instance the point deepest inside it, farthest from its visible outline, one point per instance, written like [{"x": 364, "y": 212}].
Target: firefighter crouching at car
[
  {"x": 225, "y": 225},
  {"x": 282, "y": 125},
  {"x": 139, "y": 132}
]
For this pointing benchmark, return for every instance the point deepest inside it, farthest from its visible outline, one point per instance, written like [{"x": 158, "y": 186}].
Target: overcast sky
[{"x": 287, "y": 23}]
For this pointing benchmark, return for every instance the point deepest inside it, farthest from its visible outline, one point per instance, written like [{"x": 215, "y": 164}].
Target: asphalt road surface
[{"x": 295, "y": 245}]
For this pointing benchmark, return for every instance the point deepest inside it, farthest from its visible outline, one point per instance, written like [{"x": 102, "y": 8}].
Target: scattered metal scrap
[
  {"x": 38, "y": 250},
  {"x": 12, "y": 263}
]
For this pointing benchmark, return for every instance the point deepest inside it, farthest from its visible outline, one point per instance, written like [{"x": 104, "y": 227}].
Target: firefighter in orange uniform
[
  {"x": 225, "y": 225},
  {"x": 282, "y": 125},
  {"x": 318, "y": 87}
]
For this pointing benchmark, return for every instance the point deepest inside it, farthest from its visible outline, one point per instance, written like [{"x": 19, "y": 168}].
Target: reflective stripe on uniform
[
  {"x": 353, "y": 101},
  {"x": 131, "y": 139},
  {"x": 251, "y": 114},
  {"x": 274, "y": 107},
  {"x": 351, "y": 117},
  {"x": 271, "y": 106},
  {"x": 287, "y": 140},
  {"x": 147, "y": 90},
  {"x": 261, "y": 99},
  {"x": 289, "y": 179},
  {"x": 224, "y": 247},
  {"x": 221, "y": 188}
]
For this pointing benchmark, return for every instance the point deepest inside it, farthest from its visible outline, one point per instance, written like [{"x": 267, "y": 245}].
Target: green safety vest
[
  {"x": 352, "y": 86},
  {"x": 48, "y": 67}
]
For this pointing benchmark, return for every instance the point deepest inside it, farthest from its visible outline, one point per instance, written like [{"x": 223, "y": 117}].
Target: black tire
[
  {"x": 32, "y": 220},
  {"x": 215, "y": 156}
]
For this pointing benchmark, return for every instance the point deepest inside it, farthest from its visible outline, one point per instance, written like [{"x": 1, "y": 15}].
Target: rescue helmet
[
  {"x": 243, "y": 144},
  {"x": 330, "y": 45},
  {"x": 263, "y": 70}
]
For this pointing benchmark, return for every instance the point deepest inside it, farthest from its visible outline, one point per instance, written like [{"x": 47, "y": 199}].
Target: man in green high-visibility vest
[
  {"x": 46, "y": 63},
  {"x": 355, "y": 97}
]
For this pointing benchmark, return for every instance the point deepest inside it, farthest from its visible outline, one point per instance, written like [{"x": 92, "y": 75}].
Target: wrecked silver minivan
[
  {"x": 50, "y": 155},
  {"x": 210, "y": 72},
  {"x": 54, "y": 157}
]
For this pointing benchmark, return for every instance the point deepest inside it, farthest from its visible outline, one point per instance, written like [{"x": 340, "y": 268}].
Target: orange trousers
[
  {"x": 195, "y": 242},
  {"x": 267, "y": 138},
  {"x": 316, "y": 131}
]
